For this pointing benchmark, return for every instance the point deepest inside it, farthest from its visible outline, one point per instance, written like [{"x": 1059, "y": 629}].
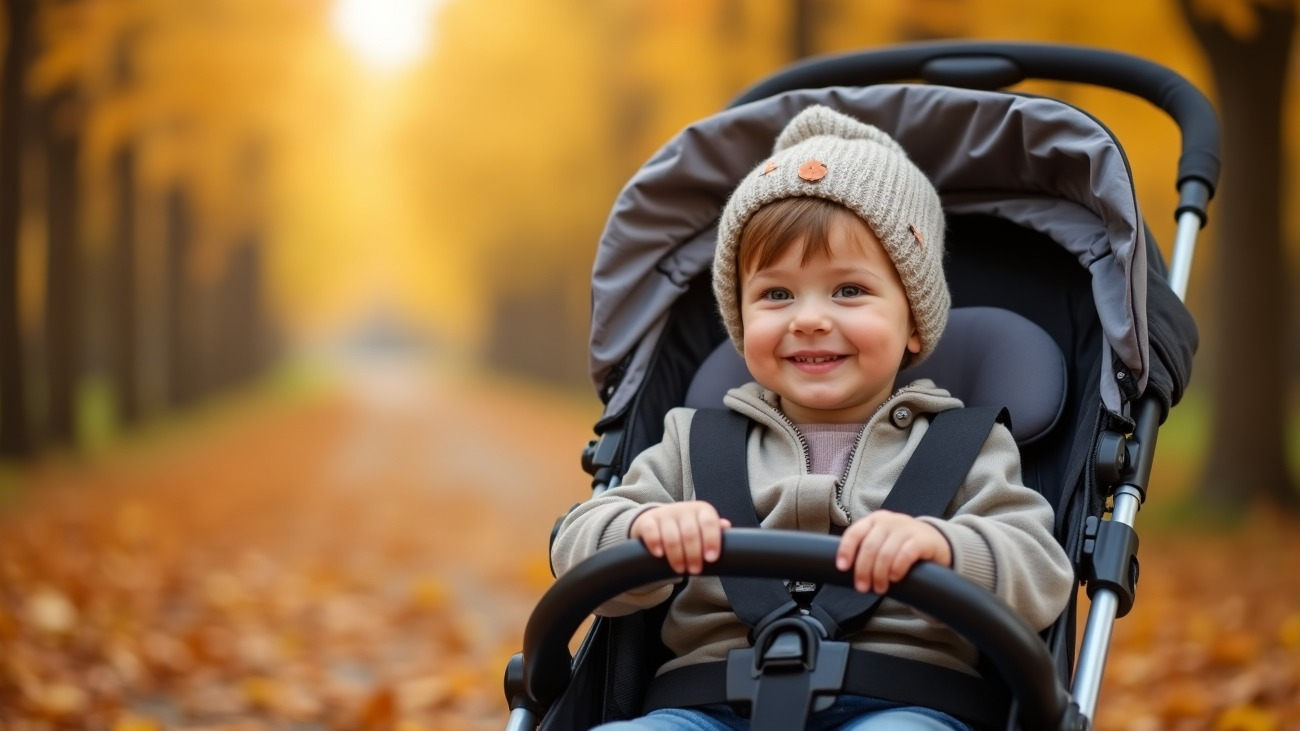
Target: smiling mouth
[{"x": 815, "y": 358}]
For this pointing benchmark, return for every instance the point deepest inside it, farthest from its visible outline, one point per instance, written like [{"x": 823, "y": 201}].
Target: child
[{"x": 829, "y": 278}]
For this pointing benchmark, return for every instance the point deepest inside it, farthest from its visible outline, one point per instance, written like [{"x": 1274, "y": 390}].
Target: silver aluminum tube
[
  {"x": 1189, "y": 225},
  {"x": 522, "y": 719},
  {"x": 600, "y": 489},
  {"x": 1128, "y": 499},
  {"x": 1101, "y": 619}
]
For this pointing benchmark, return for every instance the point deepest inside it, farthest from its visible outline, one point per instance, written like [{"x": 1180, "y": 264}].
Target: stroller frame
[{"x": 539, "y": 675}]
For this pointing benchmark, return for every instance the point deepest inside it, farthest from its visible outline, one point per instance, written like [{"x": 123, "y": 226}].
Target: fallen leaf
[
  {"x": 132, "y": 722},
  {"x": 422, "y": 693},
  {"x": 1289, "y": 634},
  {"x": 1234, "y": 648},
  {"x": 379, "y": 711},
  {"x": 429, "y": 594},
  {"x": 1247, "y": 718},
  {"x": 51, "y": 612},
  {"x": 1185, "y": 700}
]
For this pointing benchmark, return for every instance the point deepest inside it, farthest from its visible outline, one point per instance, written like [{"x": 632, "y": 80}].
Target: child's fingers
[
  {"x": 902, "y": 563},
  {"x": 692, "y": 543},
  {"x": 685, "y": 534},
  {"x": 711, "y": 527},
  {"x": 894, "y": 552},
  {"x": 647, "y": 529},
  {"x": 850, "y": 543},
  {"x": 672, "y": 540},
  {"x": 864, "y": 567}
]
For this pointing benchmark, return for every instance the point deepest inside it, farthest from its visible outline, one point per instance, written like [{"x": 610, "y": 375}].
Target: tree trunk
[
  {"x": 123, "y": 274},
  {"x": 802, "y": 29},
  {"x": 183, "y": 327},
  {"x": 63, "y": 271},
  {"x": 244, "y": 313},
  {"x": 15, "y": 436},
  {"x": 1247, "y": 458}
]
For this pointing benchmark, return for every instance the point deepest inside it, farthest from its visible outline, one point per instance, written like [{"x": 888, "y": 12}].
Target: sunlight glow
[{"x": 387, "y": 34}]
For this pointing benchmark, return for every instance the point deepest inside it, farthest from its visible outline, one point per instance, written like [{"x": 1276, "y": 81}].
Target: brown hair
[{"x": 778, "y": 225}]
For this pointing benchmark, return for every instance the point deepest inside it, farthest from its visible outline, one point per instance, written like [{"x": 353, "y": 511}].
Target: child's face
[{"x": 828, "y": 336}]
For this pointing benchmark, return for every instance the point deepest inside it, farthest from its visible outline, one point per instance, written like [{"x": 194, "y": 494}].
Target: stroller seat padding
[{"x": 987, "y": 356}]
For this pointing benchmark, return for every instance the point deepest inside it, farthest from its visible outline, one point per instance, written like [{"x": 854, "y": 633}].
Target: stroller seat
[{"x": 987, "y": 356}]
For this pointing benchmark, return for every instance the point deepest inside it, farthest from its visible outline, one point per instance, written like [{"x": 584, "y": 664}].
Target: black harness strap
[
  {"x": 908, "y": 682},
  {"x": 926, "y": 486},
  {"x": 721, "y": 474}
]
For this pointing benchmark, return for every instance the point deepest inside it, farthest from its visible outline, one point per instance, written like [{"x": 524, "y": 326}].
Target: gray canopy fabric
[{"x": 1035, "y": 161}]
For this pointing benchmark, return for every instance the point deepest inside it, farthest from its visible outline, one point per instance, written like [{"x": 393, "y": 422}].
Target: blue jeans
[{"x": 850, "y": 713}]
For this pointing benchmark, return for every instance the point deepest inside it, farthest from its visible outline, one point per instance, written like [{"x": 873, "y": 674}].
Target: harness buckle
[{"x": 791, "y": 668}]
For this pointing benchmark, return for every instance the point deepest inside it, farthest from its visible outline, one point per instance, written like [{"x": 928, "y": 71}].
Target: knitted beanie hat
[{"x": 823, "y": 153}]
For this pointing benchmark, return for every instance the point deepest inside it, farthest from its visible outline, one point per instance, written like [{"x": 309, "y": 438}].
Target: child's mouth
[{"x": 816, "y": 363}]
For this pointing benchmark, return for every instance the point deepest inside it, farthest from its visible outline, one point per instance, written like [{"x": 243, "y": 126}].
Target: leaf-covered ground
[{"x": 367, "y": 559}]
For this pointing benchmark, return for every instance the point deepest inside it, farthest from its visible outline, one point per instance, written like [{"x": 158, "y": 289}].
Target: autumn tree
[
  {"x": 15, "y": 437},
  {"x": 138, "y": 109},
  {"x": 1248, "y": 48},
  {"x": 63, "y": 269}
]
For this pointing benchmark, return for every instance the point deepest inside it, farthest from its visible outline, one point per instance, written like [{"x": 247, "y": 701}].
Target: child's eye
[
  {"x": 850, "y": 290},
  {"x": 778, "y": 295}
]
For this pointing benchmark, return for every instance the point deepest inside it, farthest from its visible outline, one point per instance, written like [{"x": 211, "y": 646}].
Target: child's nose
[{"x": 810, "y": 317}]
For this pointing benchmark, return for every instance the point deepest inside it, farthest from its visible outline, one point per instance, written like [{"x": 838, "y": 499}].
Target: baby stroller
[{"x": 1064, "y": 312}]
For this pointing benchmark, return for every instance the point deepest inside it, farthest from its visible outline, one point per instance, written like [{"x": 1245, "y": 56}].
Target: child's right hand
[{"x": 687, "y": 533}]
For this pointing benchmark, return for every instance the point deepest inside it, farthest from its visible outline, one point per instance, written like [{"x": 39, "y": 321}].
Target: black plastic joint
[
  {"x": 600, "y": 456},
  {"x": 1112, "y": 462},
  {"x": 1110, "y": 555},
  {"x": 1117, "y": 462},
  {"x": 1073, "y": 719},
  {"x": 516, "y": 696},
  {"x": 1193, "y": 197}
]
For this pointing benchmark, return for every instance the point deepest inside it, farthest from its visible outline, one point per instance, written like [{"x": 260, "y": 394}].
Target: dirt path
[
  {"x": 366, "y": 559},
  {"x": 363, "y": 560}
]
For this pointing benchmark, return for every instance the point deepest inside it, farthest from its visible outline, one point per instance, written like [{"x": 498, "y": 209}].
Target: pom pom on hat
[{"x": 825, "y": 154}]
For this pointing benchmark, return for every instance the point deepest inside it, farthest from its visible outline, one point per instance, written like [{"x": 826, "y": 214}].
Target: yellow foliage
[
  {"x": 1247, "y": 718},
  {"x": 1238, "y": 17},
  {"x": 430, "y": 594},
  {"x": 487, "y": 169},
  {"x": 131, "y": 722},
  {"x": 1289, "y": 634}
]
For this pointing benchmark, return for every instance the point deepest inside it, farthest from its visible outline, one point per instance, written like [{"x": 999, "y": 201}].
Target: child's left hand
[{"x": 882, "y": 547}]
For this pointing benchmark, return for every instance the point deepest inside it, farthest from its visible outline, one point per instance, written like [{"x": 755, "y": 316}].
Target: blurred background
[{"x": 293, "y": 315}]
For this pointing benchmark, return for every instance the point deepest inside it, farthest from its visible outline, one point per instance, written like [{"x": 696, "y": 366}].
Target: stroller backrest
[
  {"x": 987, "y": 356},
  {"x": 1036, "y": 162}
]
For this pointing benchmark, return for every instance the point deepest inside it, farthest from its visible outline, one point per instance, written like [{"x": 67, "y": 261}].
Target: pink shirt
[{"x": 829, "y": 446}]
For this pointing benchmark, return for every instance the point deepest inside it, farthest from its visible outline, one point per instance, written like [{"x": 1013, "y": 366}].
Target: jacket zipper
[
  {"x": 848, "y": 463},
  {"x": 803, "y": 441}
]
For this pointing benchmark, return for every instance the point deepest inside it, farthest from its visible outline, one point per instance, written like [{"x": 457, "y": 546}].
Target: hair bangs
[{"x": 777, "y": 226}]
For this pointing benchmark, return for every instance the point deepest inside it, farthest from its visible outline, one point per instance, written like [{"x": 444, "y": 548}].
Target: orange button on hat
[{"x": 812, "y": 171}]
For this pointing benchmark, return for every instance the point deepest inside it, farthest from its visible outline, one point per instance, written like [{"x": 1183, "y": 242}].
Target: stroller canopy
[{"x": 1035, "y": 161}]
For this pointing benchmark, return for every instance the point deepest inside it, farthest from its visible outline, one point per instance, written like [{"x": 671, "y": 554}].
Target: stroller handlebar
[
  {"x": 995, "y": 65},
  {"x": 1005, "y": 639}
]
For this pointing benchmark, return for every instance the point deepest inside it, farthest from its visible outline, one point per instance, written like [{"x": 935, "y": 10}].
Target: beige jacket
[{"x": 1000, "y": 531}]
